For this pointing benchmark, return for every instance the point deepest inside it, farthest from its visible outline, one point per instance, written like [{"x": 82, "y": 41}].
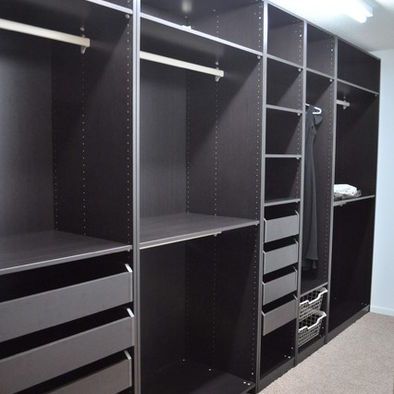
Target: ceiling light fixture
[{"x": 358, "y": 10}]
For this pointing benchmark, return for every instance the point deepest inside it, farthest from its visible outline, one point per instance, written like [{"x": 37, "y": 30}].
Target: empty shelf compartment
[
  {"x": 280, "y": 287},
  {"x": 284, "y": 85},
  {"x": 310, "y": 327},
  {"x": 279, "y": 316},
  {"x": 277, "y": 259},
  {"x": 285, "y": 35},
  {"x": 282, "y": 227},
  {"x": 311, "y": 303},
  {"x": 39, "y": 311}
]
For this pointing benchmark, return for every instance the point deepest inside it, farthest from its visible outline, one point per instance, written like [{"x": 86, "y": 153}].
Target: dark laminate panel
[
  {"x": 20, "y": 253},
  {"x": 242, "y": 25},
  {"x": 26, "y": 181},
  {"x": 320, "y": 51},
  {"x": 351, "y": 261},
  {"x": 285, "y": 35},
  {"x": 356, "y": 148},
  {"x": 357, "y": 66},
  {"x": 107, "y": 153},
  {"x": 201, "y": 154},
  {"x": 67, "y": 111},
  {"x": 162, "y": 310},
  {"x": 180, "y": 227},
  {"x": 163, "y": 140},
  {"x": 239, "y": 140},
  {"x": 221, "y": 314}
]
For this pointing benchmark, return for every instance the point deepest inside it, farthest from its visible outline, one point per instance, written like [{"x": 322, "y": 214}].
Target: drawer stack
[
  {"x": 280, "y": 276},
  {"x": 311, "y": 316},
  {"x": 68, "y": 328}
]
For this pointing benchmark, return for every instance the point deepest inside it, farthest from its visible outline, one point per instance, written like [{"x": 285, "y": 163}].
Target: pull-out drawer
[
  {"x": 113, "y": 379},
  {"x": 279, "y": 317},
  {"x": 24, "y": 370},
  {"x": 280, "y": 287},
  {"x": 280, "y": 228},
  {"x": 280, "y": 258},
  {"x": 43, "y": 310}
]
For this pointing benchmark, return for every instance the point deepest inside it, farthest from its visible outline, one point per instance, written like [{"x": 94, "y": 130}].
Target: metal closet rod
[
  {"x": 345, "y": 104},
  {"x": 181, "y": 64},
  {"x": 6, "y": 24}
]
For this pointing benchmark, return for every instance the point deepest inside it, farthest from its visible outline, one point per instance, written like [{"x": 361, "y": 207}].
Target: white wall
[{"x": 383, "y": 273}]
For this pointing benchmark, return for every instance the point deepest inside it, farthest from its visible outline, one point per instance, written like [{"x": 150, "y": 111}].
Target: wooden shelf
[
  {"x": 42, "y": 249},
  {"x": 319, "y": 73},
  {"x": 353, "y": 85},
  {"x": 164, "y": 230},
  {"x": 341, "y": 203},
  {"x": 284, "y": 61},
  {"x": 285, "y": 201},
  {"x": 157, "y": 32}
]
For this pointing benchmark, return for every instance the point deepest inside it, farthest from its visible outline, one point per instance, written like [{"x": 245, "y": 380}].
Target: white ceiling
[{"x": 376, "y": 34}]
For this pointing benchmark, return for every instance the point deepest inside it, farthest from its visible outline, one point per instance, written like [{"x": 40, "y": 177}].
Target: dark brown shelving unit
[{"x": 152, "y": 180}]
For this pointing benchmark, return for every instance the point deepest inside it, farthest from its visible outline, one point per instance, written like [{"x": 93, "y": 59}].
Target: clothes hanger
[{"x": 317, "y": 110}]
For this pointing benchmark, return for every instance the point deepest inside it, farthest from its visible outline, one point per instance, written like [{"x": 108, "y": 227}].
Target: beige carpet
[{"x": 359, "y": 360}]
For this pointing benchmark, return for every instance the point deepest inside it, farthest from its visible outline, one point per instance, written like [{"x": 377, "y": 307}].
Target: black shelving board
[
  {"x": 42, "y": 249},
  {"x": 163, "y": 230}
]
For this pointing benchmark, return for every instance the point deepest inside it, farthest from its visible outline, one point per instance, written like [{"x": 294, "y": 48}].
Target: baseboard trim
[{"x": 382, "y": 311}]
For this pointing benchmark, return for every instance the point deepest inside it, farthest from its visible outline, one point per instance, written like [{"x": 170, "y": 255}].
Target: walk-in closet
[{"x": 167, "y": 177}]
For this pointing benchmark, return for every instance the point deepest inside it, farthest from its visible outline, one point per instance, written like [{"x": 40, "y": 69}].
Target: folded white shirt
[{"x": 345, "y": 190}]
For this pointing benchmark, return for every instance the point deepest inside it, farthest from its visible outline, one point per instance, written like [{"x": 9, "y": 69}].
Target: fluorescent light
[{"x": 358, "y": 10}]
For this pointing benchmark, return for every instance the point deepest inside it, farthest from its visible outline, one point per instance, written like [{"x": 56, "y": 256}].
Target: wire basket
[
  {"x": 310, "y": 327},
  {"x": 312, "y": 303}
]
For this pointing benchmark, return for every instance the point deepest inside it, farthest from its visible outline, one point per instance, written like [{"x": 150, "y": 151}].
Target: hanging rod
[
  {"x": 181, "y": 64},
  {"x": 83, "y": 42},
  {"x": 345, "y": 104}
]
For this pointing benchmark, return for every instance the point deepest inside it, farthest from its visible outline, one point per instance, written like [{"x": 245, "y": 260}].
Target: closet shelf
[
  {"x": 162, "y": 33},
  {"x": 275, "y": 156},
  {"x": 282, "y": 201},
  {"x": 319, "y": 73},
  {"x": 75, "y": 9},
  {"x": 190, "y": 377},
  {"x": 284, "y": 61},
  {"x": 284, "y": 109},
  {"x": 353, "y": 85},
  {"x": 341, "y": 203},
  {"x": 42, "y": 249},
  {"x": 111, "y": 6},
  {"x": 168, "y": 229}
]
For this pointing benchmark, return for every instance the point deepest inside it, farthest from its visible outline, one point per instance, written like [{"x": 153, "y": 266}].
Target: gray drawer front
[
  {"x": 112, "y": 380},
  {"x": 282, "y": 228},
  {"x": 279, "y": 317},
  {"x": 280, "y": 258},
  {"x": 39, "y": 311},
  {"x": 38, "y": 365},
  {"x": 280, "y": 287}
]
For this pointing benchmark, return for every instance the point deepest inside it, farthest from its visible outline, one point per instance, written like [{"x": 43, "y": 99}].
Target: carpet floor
[{"x": 358, "y": 361}]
